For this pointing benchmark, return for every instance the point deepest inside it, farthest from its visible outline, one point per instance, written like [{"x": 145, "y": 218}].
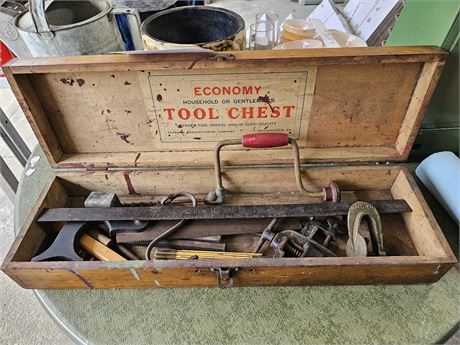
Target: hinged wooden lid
[{"x": 169, "y": 109}]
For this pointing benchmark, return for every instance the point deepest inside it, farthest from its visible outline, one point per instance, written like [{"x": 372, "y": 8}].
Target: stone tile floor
[{"x": 22, "y": 319}]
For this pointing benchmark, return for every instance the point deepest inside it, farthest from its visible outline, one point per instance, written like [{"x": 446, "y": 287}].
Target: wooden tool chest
[{"x": 144, "y": 126}]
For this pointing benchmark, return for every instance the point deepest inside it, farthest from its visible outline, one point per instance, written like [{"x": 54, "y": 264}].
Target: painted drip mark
[
  {"x": 159, "y": 98},
  {"x": 127, "y": 82},
  {"x": 266, "y": 100},
  {"x": 124, "y": 137},
  {"x": 129, "y": 184},
  {"x": 80, "y": 82},
  {"x": 86, "y": 282},
  {"x": 136, "y": 159},
  {"x": 67, "y": 81},
  {"x": 196, "y": 61}
]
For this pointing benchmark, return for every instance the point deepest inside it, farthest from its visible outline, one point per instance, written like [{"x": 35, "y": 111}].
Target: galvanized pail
[{"x": 74, "y": 27}]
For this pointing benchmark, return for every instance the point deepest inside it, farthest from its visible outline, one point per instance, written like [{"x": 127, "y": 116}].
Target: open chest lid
[{"x": 170, "y": 109}]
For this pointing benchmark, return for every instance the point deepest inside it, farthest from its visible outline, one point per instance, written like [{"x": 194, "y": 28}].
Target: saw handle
[{"x": 265, "y": 140}]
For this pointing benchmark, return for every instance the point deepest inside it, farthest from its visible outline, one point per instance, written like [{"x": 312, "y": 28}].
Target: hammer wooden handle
[{"x": 98, "y": 250}]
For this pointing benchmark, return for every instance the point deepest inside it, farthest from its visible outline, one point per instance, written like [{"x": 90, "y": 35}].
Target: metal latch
[{"x": 224, "y": 276}]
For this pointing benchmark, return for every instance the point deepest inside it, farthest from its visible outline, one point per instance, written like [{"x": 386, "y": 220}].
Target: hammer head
[{"x": 102, "y": 199}]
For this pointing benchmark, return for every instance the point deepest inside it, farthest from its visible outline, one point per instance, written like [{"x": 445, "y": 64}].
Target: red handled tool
[{"x": 267, "y": 140}]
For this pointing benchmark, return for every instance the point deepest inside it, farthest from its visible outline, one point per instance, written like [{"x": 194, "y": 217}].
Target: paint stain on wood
[
  {"x": 124, "y": 137},
  {"x": 136, "y": 159},
  {"x": 83, "y": 279},
  {"x": 265, "y": 99},
  {"x": 67, "y": 81},
  {"x": 81, "y": 82},
  {"x": 129, "y": 184}
]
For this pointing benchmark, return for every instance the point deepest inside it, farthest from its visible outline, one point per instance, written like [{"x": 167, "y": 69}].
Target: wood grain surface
[{"x": 366, "y": 104}]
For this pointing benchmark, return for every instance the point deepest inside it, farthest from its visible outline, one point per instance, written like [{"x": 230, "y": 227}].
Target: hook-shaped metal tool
[
  {"x": 356, "y": 245},
  {"x": 267, "y": 140},
  {"x": 171, "y": 230}
]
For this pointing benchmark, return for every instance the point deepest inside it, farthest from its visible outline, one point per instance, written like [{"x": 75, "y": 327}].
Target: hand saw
[{"x": 202, "y": 228}]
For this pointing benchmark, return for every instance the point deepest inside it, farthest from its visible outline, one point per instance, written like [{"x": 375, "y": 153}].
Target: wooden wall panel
[{"x": 361, "y": 105}]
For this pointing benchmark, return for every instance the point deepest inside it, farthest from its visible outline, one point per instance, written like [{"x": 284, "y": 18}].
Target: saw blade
[
  {"x": 100, "y": 214},
  {"x": 203, "y": 228}
]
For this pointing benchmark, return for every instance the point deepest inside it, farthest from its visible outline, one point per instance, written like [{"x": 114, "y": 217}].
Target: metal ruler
[{"x": 100, "y": 214}]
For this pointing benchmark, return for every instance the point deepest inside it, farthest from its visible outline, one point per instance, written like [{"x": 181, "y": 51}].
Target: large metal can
[{"x": 191, "y": 26}]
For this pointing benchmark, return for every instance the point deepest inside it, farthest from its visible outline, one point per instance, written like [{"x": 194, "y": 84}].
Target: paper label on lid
[{"x": 212, "y": 107}]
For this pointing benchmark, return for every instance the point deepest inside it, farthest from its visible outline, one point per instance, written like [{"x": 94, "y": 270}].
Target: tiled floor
[{"x": 22, "y": 319}]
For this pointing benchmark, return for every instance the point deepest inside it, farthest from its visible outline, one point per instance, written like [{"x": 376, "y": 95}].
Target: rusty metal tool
[
  {"x": 101, "y": 214},
  {"x": 318, "y": 232},
  {"x": 267, "y": 235},
  {"x": 201, "y": 228},
  {"x": 267, "y": 140},
  {"x": 356, "y": 246},
  {"x": 295, "y": 244},
  {"x": 107, "y": 199}
]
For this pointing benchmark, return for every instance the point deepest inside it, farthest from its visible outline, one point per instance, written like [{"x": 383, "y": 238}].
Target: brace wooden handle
[
  {"x": 98, "y": 250},
  {"x": 264, "y": 140}
]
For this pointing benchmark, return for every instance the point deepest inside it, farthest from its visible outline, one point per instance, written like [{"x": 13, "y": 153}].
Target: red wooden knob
[{"x": 264, "y": 140}]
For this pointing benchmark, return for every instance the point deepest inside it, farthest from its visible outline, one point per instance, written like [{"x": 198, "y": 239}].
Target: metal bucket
[
  {"x": 191, "y": 26},
  {"x": 9, "y": 35},
  {"x": 73, "y": 28}
]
